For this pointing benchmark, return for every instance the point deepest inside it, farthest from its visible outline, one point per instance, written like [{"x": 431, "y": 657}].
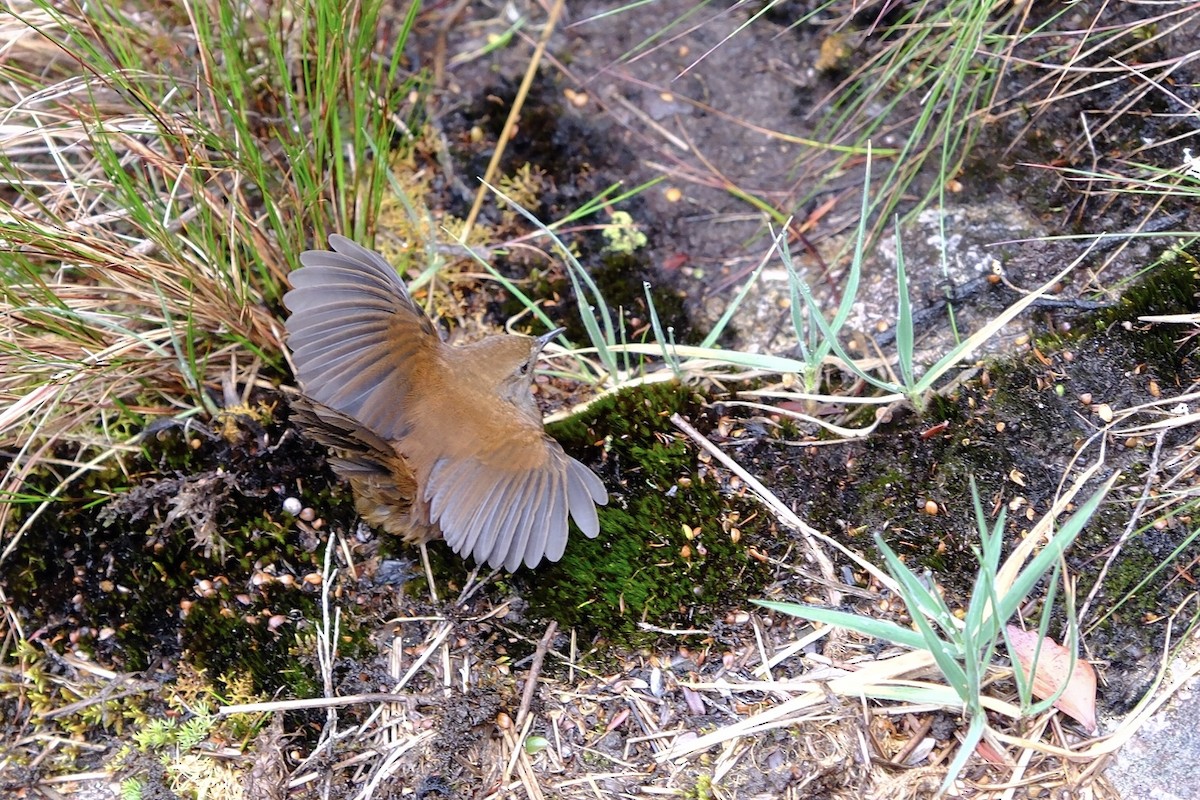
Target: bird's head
[{"x": 504, "y": 365}]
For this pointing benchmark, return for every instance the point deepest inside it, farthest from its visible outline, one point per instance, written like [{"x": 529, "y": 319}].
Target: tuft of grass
[
  {"x": 964, "y": 649},
  {"x": 162, "y": 168},
  {"x": 976, "y": 66},
  {"x": 818, "y": 339}
]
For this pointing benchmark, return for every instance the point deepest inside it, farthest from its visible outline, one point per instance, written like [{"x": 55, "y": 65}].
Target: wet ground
[{"x": 714, "y": 106}]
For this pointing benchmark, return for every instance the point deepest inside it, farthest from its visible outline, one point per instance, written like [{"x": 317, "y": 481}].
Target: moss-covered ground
[{"x": 197, "y": 556}]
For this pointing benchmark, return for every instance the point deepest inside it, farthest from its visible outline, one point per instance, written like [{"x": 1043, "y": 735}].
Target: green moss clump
[
  {"x": 192, "y": 557},
  {"x": 1170, "y": 287},
  {"x": 220, "y": 641},
  {"x": 644, "y": 565},
  {"x": 623, "y": 235},
  {"x": 621, "y": 279}
]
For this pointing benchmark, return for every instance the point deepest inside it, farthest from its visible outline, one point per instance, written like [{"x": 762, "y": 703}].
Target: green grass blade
[
  {"x": 1040, "y": 564},
  {"x": 904, "y": 319},
  {"x": 867, "y": 626},
  {"x": 667, "y": 352}
]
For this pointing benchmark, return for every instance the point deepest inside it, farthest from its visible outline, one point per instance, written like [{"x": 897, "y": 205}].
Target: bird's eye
[{"x": 525, "y": 368}]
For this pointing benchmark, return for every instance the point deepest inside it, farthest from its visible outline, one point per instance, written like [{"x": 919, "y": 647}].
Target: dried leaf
[
  {"x": 617, "y": 721},
  {"x": 1078, "y": 700}
]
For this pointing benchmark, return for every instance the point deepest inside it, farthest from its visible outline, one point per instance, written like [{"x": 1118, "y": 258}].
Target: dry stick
[
  {"x": 433, "y": 595},
  {"x": 914, "y": 740},
  {"x": 789, "y": 518},
  {"x": 326, "y": 647},
  {"x": 519, "y": 760},
  {"x": 535, "y": 669},
  {"x": 510, "y": 125},
  {"x": 571, "y": 660},
  {"x": 433, "y": 642},
  {"x": 1016, "y": 779},
  {"x": 315, "y": 702},
  {"x": 518, "y": 757}
]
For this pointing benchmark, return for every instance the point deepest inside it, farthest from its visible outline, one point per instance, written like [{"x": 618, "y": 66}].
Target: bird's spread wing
[
  {"x": 356, "y": 334},
  {"x": 510, "y": 505},
  {"x": 384, "y": 488}
]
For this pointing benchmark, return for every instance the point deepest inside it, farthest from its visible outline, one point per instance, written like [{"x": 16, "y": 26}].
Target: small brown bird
[{"x": 435, "y": 440}]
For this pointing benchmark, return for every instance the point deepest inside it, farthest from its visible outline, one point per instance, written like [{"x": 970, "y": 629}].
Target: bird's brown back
[
  {"x": 383, "y": 484},
  {"x": 434, "y": 439}
]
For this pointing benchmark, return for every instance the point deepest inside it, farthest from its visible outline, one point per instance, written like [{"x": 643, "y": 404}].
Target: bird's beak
[{"x": 545, "y": 338}]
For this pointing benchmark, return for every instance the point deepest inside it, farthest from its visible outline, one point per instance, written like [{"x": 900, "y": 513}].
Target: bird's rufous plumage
[{"x": 435, "y": 440}]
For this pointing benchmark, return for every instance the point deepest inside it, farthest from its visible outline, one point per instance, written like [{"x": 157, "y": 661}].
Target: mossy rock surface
[
  {"x": 667, "y": 553},
  {"x": 174, "y": 561}
]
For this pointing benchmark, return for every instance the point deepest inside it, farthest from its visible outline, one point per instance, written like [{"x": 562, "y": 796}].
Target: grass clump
[
  {"x": 160, "y": 172},
  {"x": 963, "y": 649}
]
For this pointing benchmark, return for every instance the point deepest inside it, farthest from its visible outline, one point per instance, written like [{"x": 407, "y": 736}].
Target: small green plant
[
  {"x": 132, "y": 789},
  {"x": 914, "y": 388},
  {"x": 623, "y": 235},
  {"x": 964, "y": 650},
  {"x": 159, "y": 734},
  {"x": 175, "y": 750},
  {"x": 817, "y": 338}
]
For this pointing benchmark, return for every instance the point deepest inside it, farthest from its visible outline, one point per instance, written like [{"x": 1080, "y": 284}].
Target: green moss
[
  {"x": 703, "y": 790},
  {"x": 223, "y": 633},
  {"x": 644, "y": 566},
  {"x": 620, "y": 278},
  {"x": 623, "y": 234},
  {"x": 1171, "y": 286},
  {"x": 168, "y": 565}
]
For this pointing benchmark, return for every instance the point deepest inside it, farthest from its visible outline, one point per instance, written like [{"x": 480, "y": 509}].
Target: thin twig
[
  {"x": 313, "y": 702},
  {"x": 510, "y": 125},
  {"x": 433, "y": 595},
  {"x": 535, "y": 669}
]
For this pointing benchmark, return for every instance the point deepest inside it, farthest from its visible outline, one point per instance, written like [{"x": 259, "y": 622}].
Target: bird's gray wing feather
[
  {"x": 356, "y": 334},
  {"x": 505, "y": 517}
]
